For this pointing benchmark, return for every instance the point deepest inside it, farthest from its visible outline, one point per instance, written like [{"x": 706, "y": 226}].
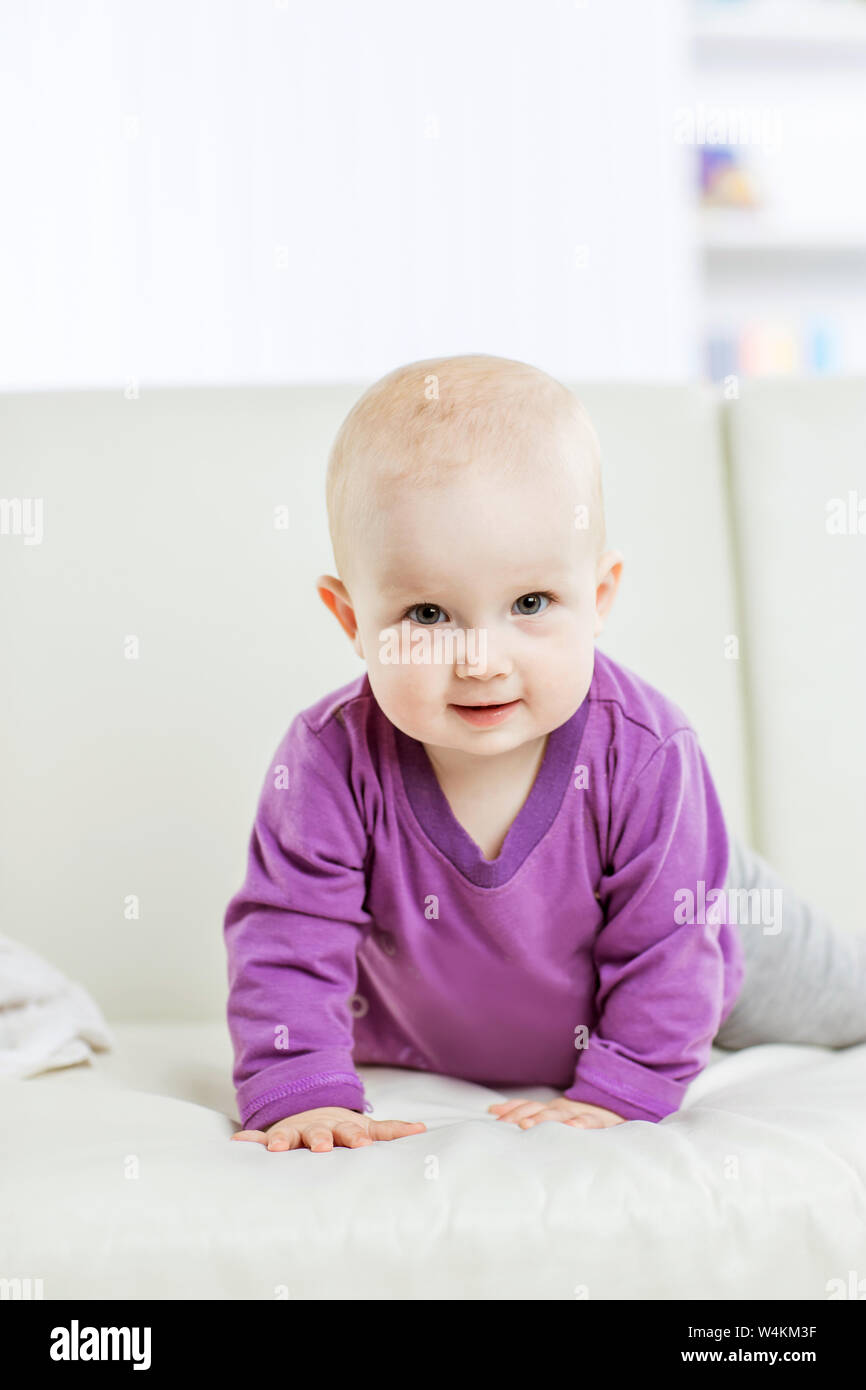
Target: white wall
[{"x": 255, "y": 192}]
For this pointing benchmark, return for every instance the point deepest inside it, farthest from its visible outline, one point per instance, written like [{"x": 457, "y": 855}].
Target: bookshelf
[{"x": 780, "y": 198}]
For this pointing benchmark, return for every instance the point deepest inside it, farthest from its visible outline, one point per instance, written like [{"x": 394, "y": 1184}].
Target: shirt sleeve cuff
[
  {"x": 635, "y": 1092},
  {"x": 278, "y": 1101}
]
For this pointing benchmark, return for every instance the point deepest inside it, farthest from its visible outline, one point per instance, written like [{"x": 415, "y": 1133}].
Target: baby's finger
[
  {"x": 586, "y": 1122},
  {"x": 318, "y": 1138},
  {"x": 286, "y": 1137},
  {"x": 523, "y": 1112},
  {"x": 351, "y": 1135},
  {"x": 541, "y": 1117},
  {"x": 395, "y": 1129},
  {"x": 507, "y": 1105},
  {"x": 256, "y": 1136}
]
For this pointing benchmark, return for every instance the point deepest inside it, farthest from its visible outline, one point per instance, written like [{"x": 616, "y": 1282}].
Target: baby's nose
[{"x": 485, "y": 658}]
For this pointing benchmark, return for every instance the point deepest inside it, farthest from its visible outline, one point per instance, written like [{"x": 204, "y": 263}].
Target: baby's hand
[
  {"x": 320, "y": 1129},
  {"x": 577, "y": 1113}
]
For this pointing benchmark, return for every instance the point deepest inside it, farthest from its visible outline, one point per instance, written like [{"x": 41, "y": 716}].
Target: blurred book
[
  {"x": 725, "y": 179},
  {"x": 769, "y": 348}
]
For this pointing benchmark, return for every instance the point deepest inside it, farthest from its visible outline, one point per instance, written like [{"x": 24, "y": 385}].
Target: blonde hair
[{"x": 424, "y": 420}]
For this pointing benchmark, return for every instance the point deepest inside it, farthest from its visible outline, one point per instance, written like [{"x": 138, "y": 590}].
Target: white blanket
[
  {"x": 46, "y": 1020},
  {"x": 755, "y": 1189}
]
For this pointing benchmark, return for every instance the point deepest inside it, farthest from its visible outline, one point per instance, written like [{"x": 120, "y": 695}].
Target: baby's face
[{"x": 502, "y": 557}]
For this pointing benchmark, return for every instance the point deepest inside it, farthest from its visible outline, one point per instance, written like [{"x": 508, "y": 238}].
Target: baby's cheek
[{"x": 408, "y": 693}]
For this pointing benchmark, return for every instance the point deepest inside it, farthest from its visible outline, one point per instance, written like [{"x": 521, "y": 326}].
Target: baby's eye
[
  {"x": 427, "y": 609},
  {"x": 534, "y": 601}
]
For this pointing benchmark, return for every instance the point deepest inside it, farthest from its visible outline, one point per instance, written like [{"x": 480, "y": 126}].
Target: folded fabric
[{"x": 46, "y": 1020}]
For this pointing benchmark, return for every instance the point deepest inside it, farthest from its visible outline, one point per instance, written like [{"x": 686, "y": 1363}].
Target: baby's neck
[
  {"x": 485, "y": 794},
  {"x": 466, "y": 771}
]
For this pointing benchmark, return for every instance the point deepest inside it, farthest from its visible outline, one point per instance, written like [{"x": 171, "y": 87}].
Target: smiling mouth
[
  {"x": 486, "y": 716},
  {"x": 494, "y": 704},
  {"x": 491, "y": 704}
]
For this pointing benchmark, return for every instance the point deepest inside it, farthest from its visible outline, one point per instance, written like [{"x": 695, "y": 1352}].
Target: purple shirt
[{"x": 370, "y": 927}]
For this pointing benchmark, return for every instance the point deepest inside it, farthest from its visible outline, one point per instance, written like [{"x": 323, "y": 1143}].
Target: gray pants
[{"x": 804, "y": 983}]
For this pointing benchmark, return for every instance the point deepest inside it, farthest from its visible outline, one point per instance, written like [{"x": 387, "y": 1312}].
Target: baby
[{"x": 498, "y": 854}]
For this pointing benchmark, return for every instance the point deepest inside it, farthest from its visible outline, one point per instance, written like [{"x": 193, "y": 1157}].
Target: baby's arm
[
  {"x": 664, "y": 978},
  {"x": 292, "y": 933}
]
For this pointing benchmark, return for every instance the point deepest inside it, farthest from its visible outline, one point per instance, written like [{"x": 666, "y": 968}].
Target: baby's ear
[
  {"x": 335, "y": 596},
  {"x": 608, "y": 577}
]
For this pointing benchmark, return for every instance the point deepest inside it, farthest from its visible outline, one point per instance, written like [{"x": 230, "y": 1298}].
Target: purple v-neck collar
[{"x": 536, "y": 815}]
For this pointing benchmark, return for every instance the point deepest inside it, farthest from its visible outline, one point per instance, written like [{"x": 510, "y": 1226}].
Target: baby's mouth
[
  {"x": 483, "y": 714},
  {"x": 488, "y": 704}
]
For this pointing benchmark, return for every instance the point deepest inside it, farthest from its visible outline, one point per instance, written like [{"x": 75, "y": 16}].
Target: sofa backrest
[{"x": 798, "y": 471}]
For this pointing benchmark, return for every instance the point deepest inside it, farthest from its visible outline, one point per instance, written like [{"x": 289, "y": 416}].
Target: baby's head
[{"x": 465, "y": 492}]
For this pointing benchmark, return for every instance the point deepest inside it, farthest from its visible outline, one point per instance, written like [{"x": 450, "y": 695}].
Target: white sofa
[{"x": 130, "y": 786}]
